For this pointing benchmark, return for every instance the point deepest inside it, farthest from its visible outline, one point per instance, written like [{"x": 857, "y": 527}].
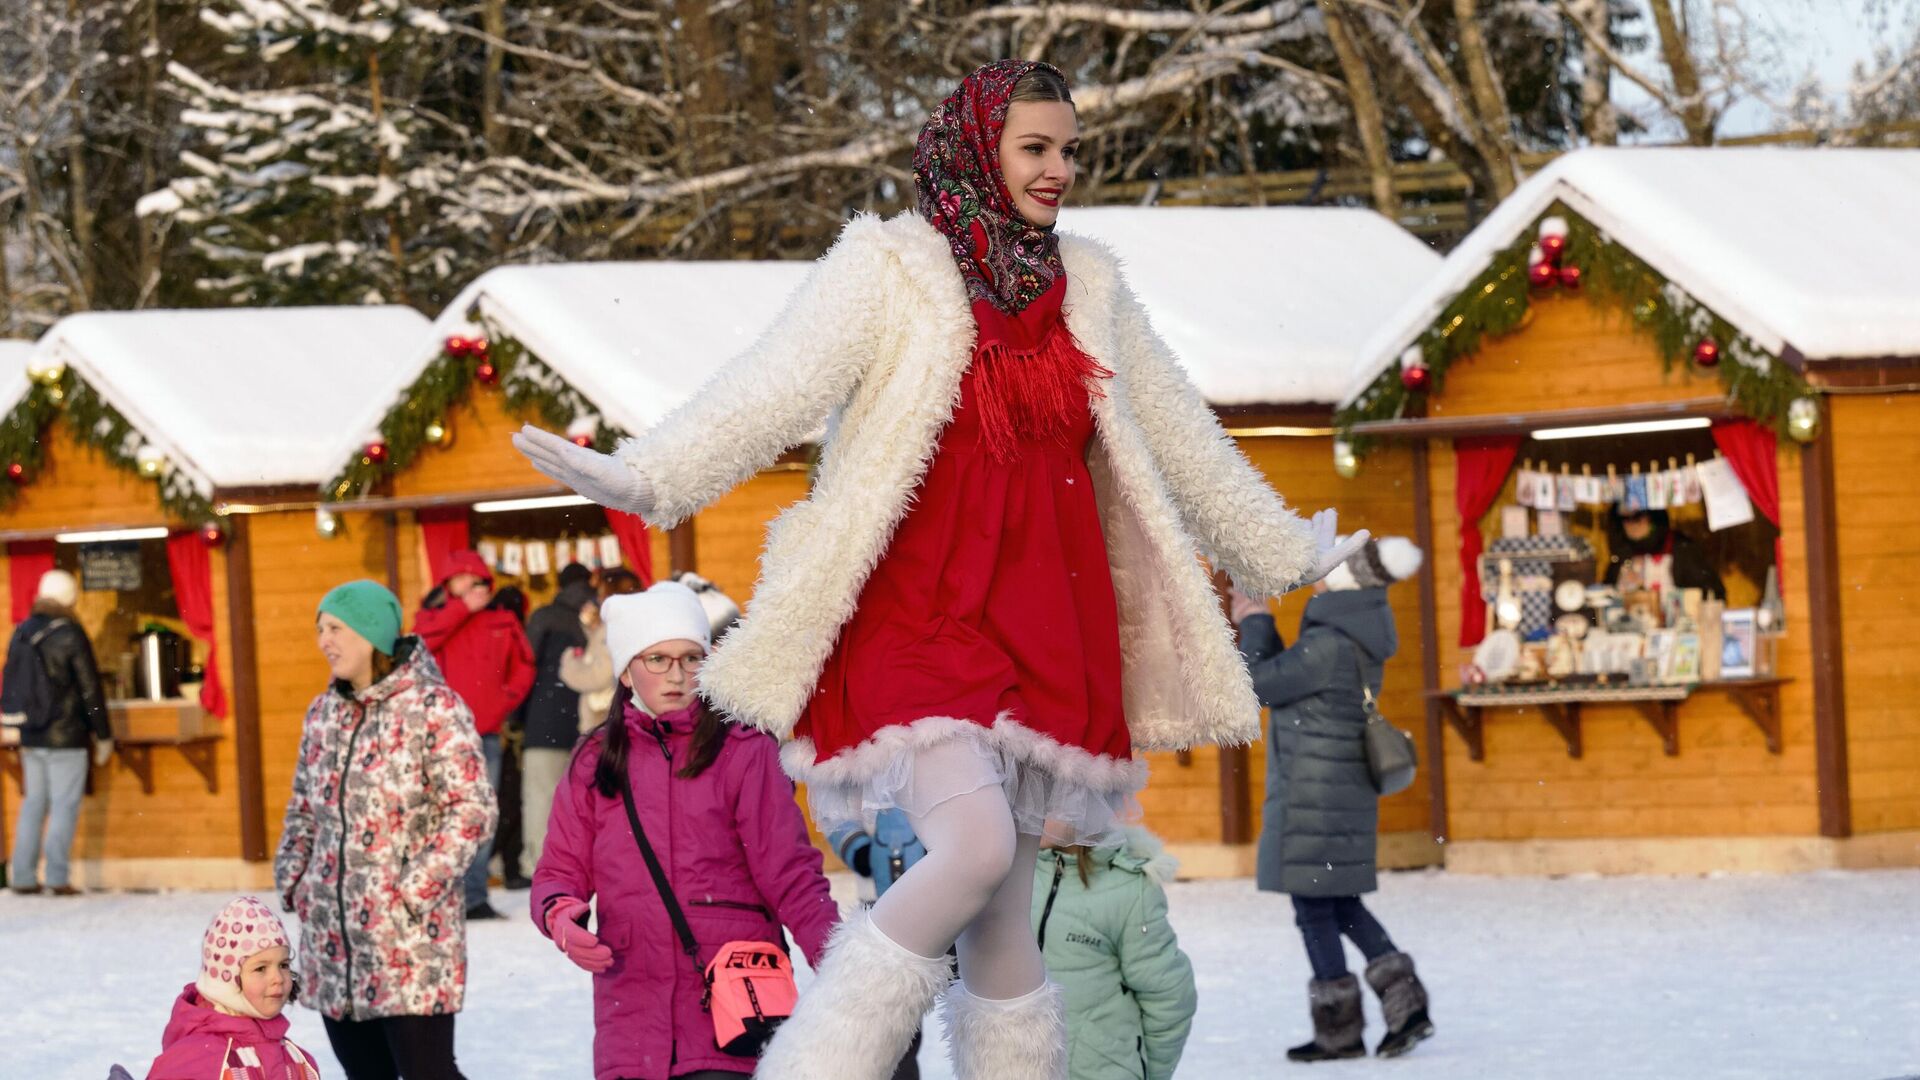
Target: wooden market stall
[
  {"x": 1650, "y": 378},
  {"x": 141, "y": 448},
  {"x": 595, "y": 350},
  {"x": 1267, "y": 308}
]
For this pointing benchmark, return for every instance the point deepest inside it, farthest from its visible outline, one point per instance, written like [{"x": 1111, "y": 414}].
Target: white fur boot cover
[
  {"x": 865, "y": 1004},
  {"x": 1024, "y": 1038}
]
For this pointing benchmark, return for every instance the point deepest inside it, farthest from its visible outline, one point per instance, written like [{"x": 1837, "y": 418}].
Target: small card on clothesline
[
  {"x": 1658, "y": 484},
  {"x": 1566, "y": 497},
  {"x": 489, "y": 553},
  {"x": 513, "y": 558},
  {"x": 1513, "y": 521},
  {"x": 610, "y": 551},
  {"x": 1725, "y": 496},
  {"x": 1523, "y": 487},
  {"x": 539, "y": 559},
  {"x": 586, "y": 552}
]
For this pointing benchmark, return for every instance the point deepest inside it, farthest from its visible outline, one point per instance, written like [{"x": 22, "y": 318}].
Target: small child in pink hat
[{"x": 227, "y": 1024}]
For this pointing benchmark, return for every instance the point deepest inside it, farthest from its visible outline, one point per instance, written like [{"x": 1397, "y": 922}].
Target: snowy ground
[{"x": 1802, "y": 976}]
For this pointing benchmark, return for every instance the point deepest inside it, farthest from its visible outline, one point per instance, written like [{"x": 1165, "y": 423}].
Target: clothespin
[{"x": 1636, "y": 469}]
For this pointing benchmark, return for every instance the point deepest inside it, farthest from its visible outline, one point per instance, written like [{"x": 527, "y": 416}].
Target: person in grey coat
[{"x": 1322, "y": 812}]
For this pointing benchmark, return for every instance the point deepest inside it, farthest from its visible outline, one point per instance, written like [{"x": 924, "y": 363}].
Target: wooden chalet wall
[
  {"x": 1723, "y": 782},
  {"x": 121, "y": 827},
  {"x": 1876, "y": 442}
]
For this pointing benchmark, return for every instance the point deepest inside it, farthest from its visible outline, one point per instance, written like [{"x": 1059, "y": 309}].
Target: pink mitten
[{"x": 566, "y": 920}]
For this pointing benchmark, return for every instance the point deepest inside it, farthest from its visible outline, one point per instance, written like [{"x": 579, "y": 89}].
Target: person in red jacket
[{"x": 483, "y": 653}]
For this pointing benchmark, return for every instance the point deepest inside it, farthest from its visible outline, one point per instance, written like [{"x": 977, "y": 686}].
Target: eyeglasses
[{"x": 659, "y": 663}]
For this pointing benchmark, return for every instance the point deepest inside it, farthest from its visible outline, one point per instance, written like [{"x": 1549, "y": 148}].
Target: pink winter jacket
[
  {"x": 201, "y": 1041},
  {"x": 735, "y": 848}
]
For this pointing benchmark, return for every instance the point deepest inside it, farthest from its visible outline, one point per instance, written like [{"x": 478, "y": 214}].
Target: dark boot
[
  {"x": 1402, "y": 1000},
  {"x": 1337, "y": 1023}
]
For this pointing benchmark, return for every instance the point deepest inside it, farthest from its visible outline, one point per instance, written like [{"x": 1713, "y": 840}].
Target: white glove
[
  {"x": 102, "y": 751},
  {"x": 1327, "y": 552},
  {"x": 601, "y": 477}
]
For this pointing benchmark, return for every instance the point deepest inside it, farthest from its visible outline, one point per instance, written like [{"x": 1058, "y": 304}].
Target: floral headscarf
[{"x": 1026, "y": 364}]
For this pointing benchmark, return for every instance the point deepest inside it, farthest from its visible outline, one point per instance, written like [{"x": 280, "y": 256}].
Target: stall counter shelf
[
  {"x": 1560, "y": 705},
  {"x": 139, "y": 725}
]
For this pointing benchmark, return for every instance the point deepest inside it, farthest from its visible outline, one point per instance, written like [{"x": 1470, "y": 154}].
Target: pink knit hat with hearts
[{"x": 243, "y": 929}]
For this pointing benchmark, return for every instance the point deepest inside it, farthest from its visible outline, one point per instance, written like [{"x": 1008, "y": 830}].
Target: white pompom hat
[
  {"x": 637, "y": 621},
  {"x": 1379, "y": 562},
  {"x": 60, "y": 587}
]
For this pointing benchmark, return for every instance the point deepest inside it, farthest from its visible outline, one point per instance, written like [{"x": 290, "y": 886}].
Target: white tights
[{"x": 973, "y": 889}]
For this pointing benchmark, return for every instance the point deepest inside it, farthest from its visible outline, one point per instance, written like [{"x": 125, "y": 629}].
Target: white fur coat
[{"x": 874, "y": 344}]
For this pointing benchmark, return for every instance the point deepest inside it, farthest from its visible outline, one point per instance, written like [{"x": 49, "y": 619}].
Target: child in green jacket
[{"x": 1101, "y": 917}]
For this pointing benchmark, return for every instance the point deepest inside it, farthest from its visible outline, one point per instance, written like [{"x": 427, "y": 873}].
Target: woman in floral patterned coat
[{"x": 390, "y": 802}]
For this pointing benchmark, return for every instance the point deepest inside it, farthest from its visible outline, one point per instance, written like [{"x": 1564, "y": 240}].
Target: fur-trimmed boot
[
  {"x": 1403, "y": 1000},
  {"x": 1337, "y": 1021},
  {"x": 1023, "y": 1038},
  {"x": 864, "y": 1006}
]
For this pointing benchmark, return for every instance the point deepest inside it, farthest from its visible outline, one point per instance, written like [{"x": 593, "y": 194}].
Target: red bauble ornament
[
  {"x": 486, "y": 373},
  {"x": 1553, "y": 245},
  {"x": 1570, "y": 277},
  {"x": 377, "y": 452},
  {"x": 1707, "y": 353},
  {"x": 585, "y": 442},
  {"x": 1416, "y": 379},
  {"x": 1542, "y": 275},
  {"x": 212, "y": 535},
  {"x": 459, "y": 346},
  {"x": 17, "y": 473}
]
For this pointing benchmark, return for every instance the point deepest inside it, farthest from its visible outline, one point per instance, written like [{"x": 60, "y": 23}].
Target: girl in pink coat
[
  {"x": 227, "y": 1025},
  {"x": 721, "y": 817}
]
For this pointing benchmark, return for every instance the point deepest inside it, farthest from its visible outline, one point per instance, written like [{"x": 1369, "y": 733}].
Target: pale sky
[{"x": 1825, "y": 38}]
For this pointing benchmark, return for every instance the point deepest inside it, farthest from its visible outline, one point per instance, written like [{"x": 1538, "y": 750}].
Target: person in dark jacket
[
  {"x": 553, "y": 708},
  {"x": 1645, "y": 552},
  {"x": 53, "y": 749},
  {"x": 1322, "y": 812},
  {"x": 483, "y": 653}
]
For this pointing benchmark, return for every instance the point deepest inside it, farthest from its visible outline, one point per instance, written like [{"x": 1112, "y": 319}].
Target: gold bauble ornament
[
  {"x": 1803, "y": 420},
  {"x": 439, "y": 434},
  {"x": 1346, "y": 463}
]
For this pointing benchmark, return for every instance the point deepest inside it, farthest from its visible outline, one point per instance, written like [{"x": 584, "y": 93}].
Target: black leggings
[
  {"x": 1323, "y": 919},
  {"x": 395, "y": 1048}
]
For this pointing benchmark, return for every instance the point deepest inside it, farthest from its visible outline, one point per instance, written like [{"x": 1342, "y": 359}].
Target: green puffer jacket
[{"x": 1130, "y": 993}]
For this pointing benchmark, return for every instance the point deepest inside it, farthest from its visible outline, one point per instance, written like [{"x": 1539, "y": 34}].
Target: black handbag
[{"x": 1391, "y": 757}]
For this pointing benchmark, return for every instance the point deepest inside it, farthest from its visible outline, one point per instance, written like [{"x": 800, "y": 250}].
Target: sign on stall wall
[{"x": 111, "y": 567}]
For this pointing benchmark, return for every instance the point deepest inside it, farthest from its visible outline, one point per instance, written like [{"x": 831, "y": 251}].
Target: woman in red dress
[{"x": 990, "y": 600}]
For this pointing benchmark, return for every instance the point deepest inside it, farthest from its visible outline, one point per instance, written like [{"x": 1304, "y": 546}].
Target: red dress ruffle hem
[{"x": 990, "y": 625}]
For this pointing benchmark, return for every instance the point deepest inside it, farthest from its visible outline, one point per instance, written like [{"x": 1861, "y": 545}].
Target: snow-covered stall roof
[
  {"x": 13, "y": 372},
  {"x": 634, "y": 338},
  {"x": 1805, "y": 248},
  {"x": 240, "y": 397},
  {"x": 1263, "y": 305}
]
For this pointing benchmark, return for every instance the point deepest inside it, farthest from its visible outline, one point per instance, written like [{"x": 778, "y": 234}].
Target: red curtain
[
  {"x": 26, "y": 561},
  {"x": 444, "y": 531},
  {"x": 635, "y": 544},
  {"x": 1752, "y": 450},
  {"x": 1481, "y": 471},
  {"x": 192, "y": 567}
]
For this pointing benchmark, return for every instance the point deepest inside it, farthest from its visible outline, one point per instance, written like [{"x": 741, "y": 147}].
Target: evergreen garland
[
  {"x": 99, "y": 426},
  {"x": 531, "y": 390},
  {"x": 1497, "y": 301}
]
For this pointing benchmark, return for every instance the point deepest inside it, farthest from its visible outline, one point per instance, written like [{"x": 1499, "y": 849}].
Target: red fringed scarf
[{"x": 1027, "y": 366}]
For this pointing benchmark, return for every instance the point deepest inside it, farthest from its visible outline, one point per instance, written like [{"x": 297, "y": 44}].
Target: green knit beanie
[{"x": 368, "y": 609}]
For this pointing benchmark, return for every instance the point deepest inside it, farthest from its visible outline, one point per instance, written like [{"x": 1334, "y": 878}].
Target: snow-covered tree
[{"x": 320, "y": 176}]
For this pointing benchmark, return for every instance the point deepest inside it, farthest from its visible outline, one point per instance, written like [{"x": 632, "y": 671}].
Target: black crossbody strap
[{"x": 680, "y": 927}]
